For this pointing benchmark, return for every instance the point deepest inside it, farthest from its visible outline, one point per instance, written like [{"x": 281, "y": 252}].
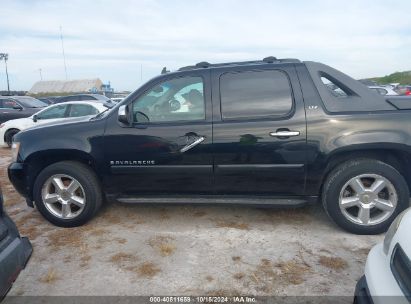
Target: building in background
[{"x": 65, "y": 87}]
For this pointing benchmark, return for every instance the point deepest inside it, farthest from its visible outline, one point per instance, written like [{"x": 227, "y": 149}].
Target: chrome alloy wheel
[
  {"x": 368, "y": 199},
  {"x": 63, "y": 196}
]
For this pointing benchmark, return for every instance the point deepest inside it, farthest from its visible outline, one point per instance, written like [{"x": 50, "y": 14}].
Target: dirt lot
[{"x": 188, "y": 250}]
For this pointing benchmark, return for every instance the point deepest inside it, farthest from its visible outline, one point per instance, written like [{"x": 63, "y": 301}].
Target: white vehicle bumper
[
  {"x": 381, "y": 283},
  {"x": 2, "y": 143}
]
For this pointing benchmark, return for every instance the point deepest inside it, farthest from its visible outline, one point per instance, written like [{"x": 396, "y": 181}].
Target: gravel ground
[{"x": 188, "y": 250}]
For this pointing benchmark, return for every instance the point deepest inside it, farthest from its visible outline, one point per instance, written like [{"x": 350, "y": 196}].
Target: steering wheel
[
  {"x": 174, "y": 105},
  {"x": 141, "y": 117}
]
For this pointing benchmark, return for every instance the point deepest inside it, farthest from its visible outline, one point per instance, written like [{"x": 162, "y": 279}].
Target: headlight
[
  {"x": 15, "y": 147},
  {"x": 392, "y": 230}
]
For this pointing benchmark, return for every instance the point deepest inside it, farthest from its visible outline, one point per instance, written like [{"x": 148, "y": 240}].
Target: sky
[{"x": 129, "y": 42}]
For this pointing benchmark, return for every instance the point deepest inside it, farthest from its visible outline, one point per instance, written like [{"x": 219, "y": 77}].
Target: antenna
[{"x": 62, "y": 47}]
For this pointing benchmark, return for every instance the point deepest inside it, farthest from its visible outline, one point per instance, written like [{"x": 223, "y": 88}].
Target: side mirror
[
  {"x": 17, "y": 107},
  {"x": 35, "y": 118},
  {"x": 123, "y": 115}
]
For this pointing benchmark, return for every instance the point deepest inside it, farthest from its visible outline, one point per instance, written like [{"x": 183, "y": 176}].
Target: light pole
[{"x": 5, "y": 56}]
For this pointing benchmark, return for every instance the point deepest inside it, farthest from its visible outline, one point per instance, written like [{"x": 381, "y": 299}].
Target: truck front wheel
[
  {"x": 67, "y": 193},
  {"x": 364, "y": 196}
]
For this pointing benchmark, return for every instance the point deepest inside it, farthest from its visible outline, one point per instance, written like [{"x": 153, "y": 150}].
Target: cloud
[{"x": 112, "y": 39}]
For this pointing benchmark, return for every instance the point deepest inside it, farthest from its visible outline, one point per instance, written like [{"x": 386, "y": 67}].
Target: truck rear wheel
[
  {"x": 364, "y": 196},
  {"x": 67, "y": 193}
]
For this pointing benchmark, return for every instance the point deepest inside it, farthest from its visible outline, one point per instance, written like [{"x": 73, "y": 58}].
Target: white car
[
  {"x": 387, "y": 276},
  {"x": 383, "y": 90},
  {"x": 52, "y": 113}
]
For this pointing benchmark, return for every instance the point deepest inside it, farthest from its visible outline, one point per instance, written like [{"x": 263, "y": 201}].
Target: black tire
[
  {"x": 350, "y": 169},
  {"x": 8, "y": 137},
  {"x": 88, "y": 180}
]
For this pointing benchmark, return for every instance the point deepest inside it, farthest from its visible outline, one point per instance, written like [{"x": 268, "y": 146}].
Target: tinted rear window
[{"x": 255, "y": 94}]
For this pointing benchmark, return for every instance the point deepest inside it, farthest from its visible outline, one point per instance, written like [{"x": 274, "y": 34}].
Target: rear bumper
[
  {"x": 362, "y": 293},
  {"x": 13, "y": 259}
]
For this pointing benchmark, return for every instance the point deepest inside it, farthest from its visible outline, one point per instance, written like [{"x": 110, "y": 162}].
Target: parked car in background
[
  {"x": 49, "y": 100},
  {"x": 382, "y": 90},
  {"x": 271, "y": 131},
  {"x": 117, "y": 99},
  {"x": 404, "y": 90},
  {"x": 12, "y": 107},
  {"x": 387, "y": 276},
  {"x": 83, "y": 97},
  {"x": 50, "y": 114},
  {"x": 15, "y": 251}
]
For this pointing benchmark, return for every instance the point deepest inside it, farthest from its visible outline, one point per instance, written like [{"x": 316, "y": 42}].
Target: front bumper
[
  {"x": 381, "y": 283},
  {"x": 18, "y": 178}
]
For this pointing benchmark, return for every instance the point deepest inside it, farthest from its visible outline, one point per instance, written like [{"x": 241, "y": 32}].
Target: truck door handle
[
  {"x": 284, "y": 133},
  {"x": 193, "y": 144}
]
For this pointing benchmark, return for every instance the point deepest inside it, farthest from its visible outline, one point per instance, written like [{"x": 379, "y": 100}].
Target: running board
[{"x": 211, "y": 199}]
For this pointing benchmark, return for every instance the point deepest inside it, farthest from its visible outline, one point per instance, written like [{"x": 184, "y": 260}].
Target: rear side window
[
  {"x": 82, "y": 110},
  {"x": 255, "y": 94},
  {"x": 7, "y": 104},
  {"x": 334, "y": 88}
]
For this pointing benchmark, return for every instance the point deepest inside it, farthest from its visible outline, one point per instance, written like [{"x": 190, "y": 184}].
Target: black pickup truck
[{"x": 270, "y": 132}]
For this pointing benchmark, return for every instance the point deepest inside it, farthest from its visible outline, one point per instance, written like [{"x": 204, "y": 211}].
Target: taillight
[{"x": 408, "y": 93}]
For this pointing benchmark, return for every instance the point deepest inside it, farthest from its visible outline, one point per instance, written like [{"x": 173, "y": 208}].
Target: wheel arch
[
  {"x": 8, "y": 130},
  {"x": 36, "y": 162},
  {"x": 398, "y": 158}
]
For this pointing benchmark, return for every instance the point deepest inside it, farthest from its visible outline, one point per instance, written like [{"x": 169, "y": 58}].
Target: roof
[
  {"x": 66, "y": 86},
  {"x": 94, "y": 103},
  {"x": 267, "y": 60},
  {"x": 98, "y": 105}
]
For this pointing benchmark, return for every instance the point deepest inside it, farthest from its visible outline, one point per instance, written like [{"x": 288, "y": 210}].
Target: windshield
[{"x": 30, "y": 102}]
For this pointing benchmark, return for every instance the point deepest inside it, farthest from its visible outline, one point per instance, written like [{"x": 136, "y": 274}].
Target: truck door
[
  {"x": 167, "y": 149},
  {"x": 259, "y": 132}
]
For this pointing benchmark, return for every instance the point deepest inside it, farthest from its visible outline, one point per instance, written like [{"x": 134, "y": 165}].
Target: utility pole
[
  {"x": 62, "y": 47},
  {"x": 41, "y": 76},
  {"x": 5, "y": 56}
]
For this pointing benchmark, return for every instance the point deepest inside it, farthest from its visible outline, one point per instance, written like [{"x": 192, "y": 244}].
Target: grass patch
[
  {"x": 334, "y": 263},
  {"x": 50, "y": 277},
  {"x": 148, "y": 269},
  {"x": 233, "y": 225},
  {"x": 123, "y": 259},
  {"x": 239, "y": 276},
  {"x": 163, "y": 244},
  {"x": 236, "y": 258}
]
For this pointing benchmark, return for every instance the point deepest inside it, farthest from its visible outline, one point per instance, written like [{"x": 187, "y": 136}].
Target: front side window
[
  {"x": 82, "y": 110},
  {"x": 179, "y": 99},
  {"x": 255, "y": 94},
  {"x": 53, "y": 113}
]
